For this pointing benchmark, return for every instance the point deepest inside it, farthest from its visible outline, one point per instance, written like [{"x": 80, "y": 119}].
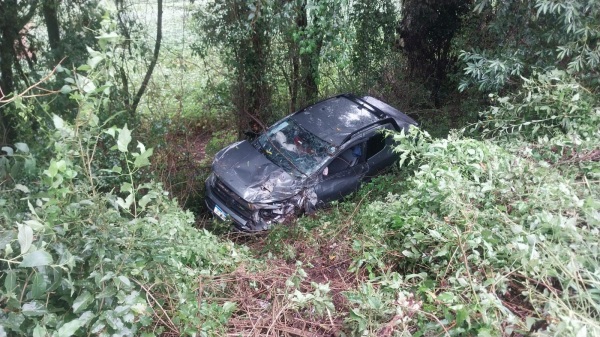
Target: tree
[
  {"x": 50, "y": 12},
  {"x": 314, "y": 25},
  {"x": 241, "y": 30},
  {"x": 375, "y": 24},
  {"x": 14, "y": 15},
  {"x": 144, "y": 85},
  {"x": 427, "y": 31},
  {"x": 511, "y": 39}
]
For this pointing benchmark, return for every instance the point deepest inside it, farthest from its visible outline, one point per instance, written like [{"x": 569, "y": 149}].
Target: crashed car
[{"x": 318, "y": 154}]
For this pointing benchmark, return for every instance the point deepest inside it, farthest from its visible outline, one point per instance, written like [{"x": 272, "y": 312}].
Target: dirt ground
[{"x": 263, "y": 297}]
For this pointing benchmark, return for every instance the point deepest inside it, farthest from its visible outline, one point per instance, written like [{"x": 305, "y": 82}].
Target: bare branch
[{"x": 25, "y": 93}]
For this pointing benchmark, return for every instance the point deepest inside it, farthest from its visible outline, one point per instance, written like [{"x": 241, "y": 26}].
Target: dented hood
[{"x": 252, "y": 176}]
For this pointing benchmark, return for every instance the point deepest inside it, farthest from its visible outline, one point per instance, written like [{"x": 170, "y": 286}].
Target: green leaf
[
  {"x": 5, "y": 238},
  {"x": 59, "y": 123},
  {"x": 22, "y": 147},
  {"x": 66, "y": 89},
  {"x": 126, "y": 187},
  {"x": 141, "y": 147},
  {"x": 25, "y": 238},
  {"x": 85, "y": 84},
  {"x": 34, "y": 308},
  {"x": 22, "y": 188},
  {"x": 145, "y": 200},
  {"x": 446, "y": 297},
  {"x": 29, "y": 165},
  {"x": 82, "y": 301},
  {"x": 9, "y": 151},
  {"x": 125, "y": 204},
  {"x": 10, "y": 282},
  {"x": 530, "y": 321},
  {"x": 109, "y": 37},
  {"x": 40, "y": 331},
  {"x": 38, "y": 285},
  {"x": 142, "y": 159},
  {"x": 93, "y": 62},
  {"x": 110, "y": 131},
  {"x": 461, "y": 316},
  {"x": 69, "y": 329},
  {"x": 229, "y": 307},
  {"x": 92, "y": 52},
  {"x": 125, "y": 281},
  {"x": 124, "y": 139},
  {"x": 36, "y": 259},
  {"x": 84, "y": 67},
  {"x": 52, "y": 170},
  {"x": 93, "y": 119},
  {"x": 61, "y": 165}
]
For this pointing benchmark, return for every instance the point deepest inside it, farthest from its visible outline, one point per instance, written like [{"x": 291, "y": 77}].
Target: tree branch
[
  {"x": 4, "y": 101},
  {"x": 140, "y": 93}
]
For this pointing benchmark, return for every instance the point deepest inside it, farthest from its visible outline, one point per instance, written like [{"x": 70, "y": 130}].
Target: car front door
[
  {"x": 378, "y": 152},
  {"x": 343, "y": 174}
]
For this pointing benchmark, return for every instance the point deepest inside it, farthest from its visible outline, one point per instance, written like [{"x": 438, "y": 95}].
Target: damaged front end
[
  {"x": 225, "y": 203},
  {"x": 266, "y": 215}
]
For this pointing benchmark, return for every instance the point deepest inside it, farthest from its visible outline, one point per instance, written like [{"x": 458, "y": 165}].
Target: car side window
[
  {"x": 347, "y": 159},
  {"x": 375, "y": 144}
]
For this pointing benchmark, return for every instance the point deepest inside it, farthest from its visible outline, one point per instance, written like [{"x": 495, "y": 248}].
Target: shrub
[
  {"x": 550, "y": 104},
  {"x": 90, "y": 245},
  {"x": 504, "y": 242}
]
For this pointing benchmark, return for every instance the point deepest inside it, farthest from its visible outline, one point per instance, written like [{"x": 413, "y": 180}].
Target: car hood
[{"x": 252, "y": 176}]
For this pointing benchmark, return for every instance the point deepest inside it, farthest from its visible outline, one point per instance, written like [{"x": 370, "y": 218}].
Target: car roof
[{"x": 336, "y": 118}]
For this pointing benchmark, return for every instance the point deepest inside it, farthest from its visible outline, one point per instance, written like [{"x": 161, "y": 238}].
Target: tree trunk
[
  {"x": 427, "y": 29},
  {"x": 309, "y": 61},
  {"x": 140, "y": 93},
  {"x": 301, "y": 22},
  {"x": 50, "y": 11},
  {"x": 10, "y": 25},
  {"x": 9, "y": 33},
  {"x": 310, "y": 71}
]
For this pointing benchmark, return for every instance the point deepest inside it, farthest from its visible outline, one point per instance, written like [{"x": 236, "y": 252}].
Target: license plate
[{"x": 220, "y": 213}]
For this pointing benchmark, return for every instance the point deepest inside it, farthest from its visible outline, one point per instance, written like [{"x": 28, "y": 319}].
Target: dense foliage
[
  {"x": 490, "y": 229},
  {"x": 90, "y": 245},
  {"x": 499, "y": 240}
]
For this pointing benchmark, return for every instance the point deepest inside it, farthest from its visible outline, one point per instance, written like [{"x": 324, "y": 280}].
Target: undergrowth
[
  {"x": 495, "y": 236},
  {"x": 89, "y": 243}
]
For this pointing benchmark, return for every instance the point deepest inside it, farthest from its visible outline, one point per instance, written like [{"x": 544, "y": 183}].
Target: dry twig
[{"x": 4, "y": 100}]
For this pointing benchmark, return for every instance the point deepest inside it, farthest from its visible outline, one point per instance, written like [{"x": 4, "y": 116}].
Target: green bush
[
  {"x": 505, "y": 242},
  {"x": 90, "y": 245},
  {"x": 553, "y": 103},
  {"x": 80, "y": 261},
  {"x": 218, "y": 141}
]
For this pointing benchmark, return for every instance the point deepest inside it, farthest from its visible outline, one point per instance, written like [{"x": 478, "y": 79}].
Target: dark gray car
[{"x": 318, "y": 154}]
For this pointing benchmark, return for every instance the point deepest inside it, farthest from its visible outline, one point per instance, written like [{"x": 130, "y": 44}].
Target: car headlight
[{"x": 211, "y": 179}]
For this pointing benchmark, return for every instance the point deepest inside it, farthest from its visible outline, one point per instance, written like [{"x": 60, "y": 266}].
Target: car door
[
  {"x": 378, "y": 152},
  {"x": 342, "y": 175}
]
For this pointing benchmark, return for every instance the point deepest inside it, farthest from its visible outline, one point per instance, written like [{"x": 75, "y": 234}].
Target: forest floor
[{"x": 296, "y": 255}]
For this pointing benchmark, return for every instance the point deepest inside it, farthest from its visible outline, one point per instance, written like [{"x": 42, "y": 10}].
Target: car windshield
[{"x": 293, "y": 148}]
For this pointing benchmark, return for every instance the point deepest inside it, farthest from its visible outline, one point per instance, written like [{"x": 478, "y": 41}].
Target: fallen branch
[{"x": 4, "y": 101}]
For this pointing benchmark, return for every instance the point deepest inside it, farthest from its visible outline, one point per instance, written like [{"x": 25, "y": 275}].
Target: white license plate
[{"x": 220, "y": 213}]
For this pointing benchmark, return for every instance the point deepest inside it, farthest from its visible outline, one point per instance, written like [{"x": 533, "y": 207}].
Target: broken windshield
[{"x": 293, "y": 148}]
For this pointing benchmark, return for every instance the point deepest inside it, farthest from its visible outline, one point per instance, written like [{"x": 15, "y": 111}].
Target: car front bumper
[
  {"x": 217, "y": 204},
  {"x": 226, "y": 205}
]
